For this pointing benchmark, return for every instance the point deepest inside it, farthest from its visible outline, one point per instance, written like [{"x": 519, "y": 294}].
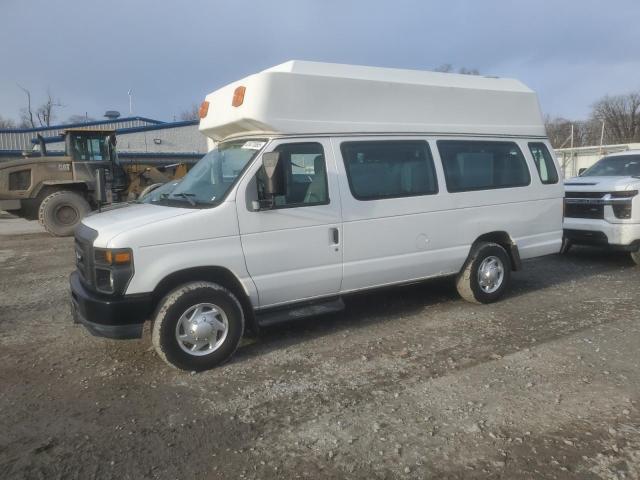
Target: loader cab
[
  {"x": 89, "y": 146},
  {"x": 90, "y": 150}
]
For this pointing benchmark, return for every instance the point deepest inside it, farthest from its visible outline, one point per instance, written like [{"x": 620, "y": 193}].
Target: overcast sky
[{"x": 172, "y": 53}]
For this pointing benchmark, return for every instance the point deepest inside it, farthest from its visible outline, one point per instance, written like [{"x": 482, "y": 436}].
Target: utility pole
[
  {"x": 601, "y": 137},
  {"x": 130, "y": 93},
  {"x": 573, "y": 155}
]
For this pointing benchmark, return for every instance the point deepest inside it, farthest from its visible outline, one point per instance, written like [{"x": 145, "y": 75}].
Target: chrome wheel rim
[
  {"x": 202, "y": 329},
  {"x": 490, "y": 274}
]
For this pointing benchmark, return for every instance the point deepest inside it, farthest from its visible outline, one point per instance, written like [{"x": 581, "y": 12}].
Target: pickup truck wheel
[
  {"x": 197, "y": 326},
  {"x": 61, "y": 211},
  {"x": 485, "y": 275},
  {"x": 635, "y": 256}
]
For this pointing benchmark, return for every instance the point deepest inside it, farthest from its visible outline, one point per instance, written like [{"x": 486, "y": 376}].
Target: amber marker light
[
  {"x": 118, "y": 258},
  {"x": 204, "y": 109},
  {"x": 238, "y": 96}
]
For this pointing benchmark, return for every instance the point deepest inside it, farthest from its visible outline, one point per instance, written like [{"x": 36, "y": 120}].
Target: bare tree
[
  {"x": 7, "y": 123},
  {"x": 585, "y": 133},
  {"x": 448, "y": 68},
  {"x": 26, "y": 114},
  {"x": 80, "y": 119},
  {"x": 192, "y": 113},
  {"x": 44, "y": 114},
  {"x": 621, "y": 116}
]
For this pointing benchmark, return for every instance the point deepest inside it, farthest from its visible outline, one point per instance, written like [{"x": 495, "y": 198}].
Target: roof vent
[{"x": 112, "y": 114}]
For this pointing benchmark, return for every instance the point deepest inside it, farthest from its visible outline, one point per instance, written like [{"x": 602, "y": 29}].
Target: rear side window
[
  {"x": 389, "y": 169},
  {"x": 481, "y": 165},
  {"x": 544, "y": 163}
]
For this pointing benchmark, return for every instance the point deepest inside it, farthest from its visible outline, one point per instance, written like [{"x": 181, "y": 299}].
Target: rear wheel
[
  {"x": 485, "y": 275},
  {"x": 61, "y": 211},
  {"x": 635, "y": 256},
  {"x": 198, "y": 326}
]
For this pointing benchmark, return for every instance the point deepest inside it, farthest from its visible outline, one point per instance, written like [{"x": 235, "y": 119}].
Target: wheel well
[
  {"x": 219, "y": 275},
  {"x": 504, "y": 240},
  {"x": 47, "y": 189}
]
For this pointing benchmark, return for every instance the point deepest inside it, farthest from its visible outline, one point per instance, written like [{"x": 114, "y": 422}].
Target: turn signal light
[
  {"x": 238, "y": 96},
  {"x": 118, "y": 258},
  {"x": 204, "y": 109}
]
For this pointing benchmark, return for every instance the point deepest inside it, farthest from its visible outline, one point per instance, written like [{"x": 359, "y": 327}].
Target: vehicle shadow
[
  {"x": 553, "y": 270},
  {"x": 389, "y": 304}
]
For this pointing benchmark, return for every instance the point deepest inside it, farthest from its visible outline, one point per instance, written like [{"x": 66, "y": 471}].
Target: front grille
[
  {"x": 20, "y": 180},
  {"x": 84, "y": 238},
  {"x": 573, "y": 210},
  {"x": 584, "y": 205},
  {"x": 584, "y": 194}
]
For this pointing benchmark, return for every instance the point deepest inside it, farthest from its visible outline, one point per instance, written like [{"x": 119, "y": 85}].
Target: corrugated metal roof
[{"x": 21, "y": 138}]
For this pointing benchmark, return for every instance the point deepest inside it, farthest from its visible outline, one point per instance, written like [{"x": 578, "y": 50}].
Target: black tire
[
  {"x": 177, "y": 303},
  {"x": 61, "y": 211},
  {"x": 635, "y": 256},
  {"x": 468, "y": 281}
]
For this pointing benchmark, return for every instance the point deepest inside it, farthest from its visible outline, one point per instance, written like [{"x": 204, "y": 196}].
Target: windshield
[
  {"x": 210, "y": 179},
  {"x": 615, "y": 166}
]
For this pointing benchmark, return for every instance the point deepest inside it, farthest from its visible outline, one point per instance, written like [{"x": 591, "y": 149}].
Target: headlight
[
  {"x": 113, "y": 269},
  {"x": 621, "y": 203}
]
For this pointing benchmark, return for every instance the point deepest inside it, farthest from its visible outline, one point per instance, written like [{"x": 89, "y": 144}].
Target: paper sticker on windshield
[{"x": 253, "y": 145}]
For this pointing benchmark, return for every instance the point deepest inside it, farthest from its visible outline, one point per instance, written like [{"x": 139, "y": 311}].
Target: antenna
[{"x": 130, "y": 93}]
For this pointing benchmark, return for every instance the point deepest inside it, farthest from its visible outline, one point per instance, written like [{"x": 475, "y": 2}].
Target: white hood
[
  {"x": 601, "y": 184},
  {"x": 125, "y": 218}
]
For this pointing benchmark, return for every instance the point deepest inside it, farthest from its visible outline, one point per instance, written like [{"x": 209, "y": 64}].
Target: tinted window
[
  {"x": 388, "y": 169},
  {"x": 479, "y": 165},
  {"x": 305, "y": 175},
  {"x": 544, "y": 163}
]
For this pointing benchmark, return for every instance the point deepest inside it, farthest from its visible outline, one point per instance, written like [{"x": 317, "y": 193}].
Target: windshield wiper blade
[{"x": 186, "y": 196}]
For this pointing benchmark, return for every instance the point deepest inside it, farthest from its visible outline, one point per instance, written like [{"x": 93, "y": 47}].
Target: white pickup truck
[{"x": 602, "y": 205}]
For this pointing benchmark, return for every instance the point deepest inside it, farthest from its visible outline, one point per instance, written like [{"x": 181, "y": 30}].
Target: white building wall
[{"x": 184, "y": 139}]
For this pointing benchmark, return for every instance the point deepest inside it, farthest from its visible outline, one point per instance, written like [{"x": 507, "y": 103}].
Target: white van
[
  {"x": 602, "y": 206},
  {"x": 324, "y": 180}
]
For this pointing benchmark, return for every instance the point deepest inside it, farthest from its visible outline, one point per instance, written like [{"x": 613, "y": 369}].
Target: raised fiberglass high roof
[{"x": 299, "y": 97}]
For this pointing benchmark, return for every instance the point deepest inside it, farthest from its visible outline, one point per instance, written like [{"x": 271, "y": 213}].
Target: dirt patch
[{"x": 406, "y": 383}]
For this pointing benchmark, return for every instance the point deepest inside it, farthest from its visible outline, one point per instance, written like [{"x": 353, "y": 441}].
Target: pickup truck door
[{"x": 293, "y": 251}]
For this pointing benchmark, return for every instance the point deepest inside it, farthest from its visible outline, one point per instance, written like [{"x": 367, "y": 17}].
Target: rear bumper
[
  {"x": 108, "y": 317},
  {"x": 8, "y": 205}
]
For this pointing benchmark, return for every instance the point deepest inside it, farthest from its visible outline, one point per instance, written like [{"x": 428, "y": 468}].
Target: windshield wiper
[{"x": 186, "y": 196}]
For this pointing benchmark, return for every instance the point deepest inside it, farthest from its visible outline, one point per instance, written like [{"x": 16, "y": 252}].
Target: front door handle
[{"x": 335, "y": 235}]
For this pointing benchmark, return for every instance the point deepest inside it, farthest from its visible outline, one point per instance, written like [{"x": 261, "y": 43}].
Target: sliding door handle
[{"x": 335, "y": 235}]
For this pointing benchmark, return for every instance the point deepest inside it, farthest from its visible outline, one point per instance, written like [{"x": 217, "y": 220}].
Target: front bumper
[
  {"x": 620, "y": 236},
  {"x": 109, "y": 317}
]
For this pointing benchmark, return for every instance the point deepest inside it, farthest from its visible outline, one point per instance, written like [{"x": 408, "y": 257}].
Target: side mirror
[
  {"x": 581, "y": 171},
  {"x": 274, "y": 174},
  {"x": 274, "y": 181}
]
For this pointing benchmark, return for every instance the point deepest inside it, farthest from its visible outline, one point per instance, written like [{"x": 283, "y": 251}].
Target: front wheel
[
  {"x": 486, "y": 274},
  {"x": 61, "y": 211},
  {"x": 197, "y": 326},
  {"x": 635, "y": 256}
]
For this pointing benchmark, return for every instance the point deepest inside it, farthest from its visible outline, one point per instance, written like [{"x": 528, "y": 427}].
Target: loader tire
[{"x": 61, "y": 211}]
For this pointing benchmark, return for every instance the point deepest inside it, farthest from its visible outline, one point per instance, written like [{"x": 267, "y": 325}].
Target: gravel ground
[{"x": 406, "y": 383}]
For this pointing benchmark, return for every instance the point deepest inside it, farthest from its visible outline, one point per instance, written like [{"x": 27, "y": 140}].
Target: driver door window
[{"x": 305, "y": 174}]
